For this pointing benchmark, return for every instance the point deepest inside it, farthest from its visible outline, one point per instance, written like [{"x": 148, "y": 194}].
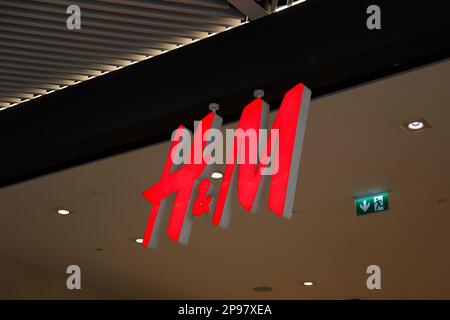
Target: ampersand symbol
[{"x": 201, "y": 204}]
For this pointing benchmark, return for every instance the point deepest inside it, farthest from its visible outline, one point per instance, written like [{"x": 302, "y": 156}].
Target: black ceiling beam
[{"x": 323, "y": 43}]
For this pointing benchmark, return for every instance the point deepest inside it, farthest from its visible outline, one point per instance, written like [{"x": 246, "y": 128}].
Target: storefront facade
[{"x": 93, "y": 149}]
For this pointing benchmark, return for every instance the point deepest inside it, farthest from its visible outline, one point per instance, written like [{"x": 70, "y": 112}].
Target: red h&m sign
[{"x": 277, "y": 165}]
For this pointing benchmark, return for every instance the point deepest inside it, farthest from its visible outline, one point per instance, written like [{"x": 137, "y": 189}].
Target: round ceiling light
[
  {"x": 217, "y": 175},
  {"x": 63, "y": 212},
  {"x": 139, "y": 240},
  {"x": 415, "y": 125},
  {"x": 308, "y": 283}
]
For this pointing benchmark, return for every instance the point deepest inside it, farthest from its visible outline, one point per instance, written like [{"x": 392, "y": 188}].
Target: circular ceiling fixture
[
  {"x": 415, "y": 125},
  {"x": 63, "y": 212},
  {"x": 217, "y": 175}
]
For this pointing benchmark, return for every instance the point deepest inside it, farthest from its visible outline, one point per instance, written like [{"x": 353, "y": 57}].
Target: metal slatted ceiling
[{"x": 38, "y": 54}]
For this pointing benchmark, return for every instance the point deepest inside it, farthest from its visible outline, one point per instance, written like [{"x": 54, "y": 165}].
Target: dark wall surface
[{"x": 323, "y": 43}]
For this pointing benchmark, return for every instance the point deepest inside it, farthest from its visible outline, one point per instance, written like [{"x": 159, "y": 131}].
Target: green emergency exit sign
[{"x": 373, "y": 203}]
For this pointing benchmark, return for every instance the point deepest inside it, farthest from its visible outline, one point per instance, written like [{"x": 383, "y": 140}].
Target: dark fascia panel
[{"x": 323, "y": 43}]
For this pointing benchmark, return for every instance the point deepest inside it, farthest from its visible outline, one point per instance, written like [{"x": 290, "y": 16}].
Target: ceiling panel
[{"x": 39, "y": 54}]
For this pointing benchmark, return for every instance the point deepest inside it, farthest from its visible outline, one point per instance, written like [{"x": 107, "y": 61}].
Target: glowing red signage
[{"x": 189, "y": 181}]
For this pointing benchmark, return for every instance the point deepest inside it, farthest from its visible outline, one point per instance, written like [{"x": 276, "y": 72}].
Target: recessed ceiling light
[
  {"x": 217, "y": 175},
  {"x": 63, "y": 212},
  {"x": 308, "y": 283},
  {"x": 139, "y": 240},
  {"x": 415, "y": 125}
]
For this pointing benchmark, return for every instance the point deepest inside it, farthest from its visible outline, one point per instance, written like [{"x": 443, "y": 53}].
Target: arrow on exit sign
[{"x": 372, "y": 203}]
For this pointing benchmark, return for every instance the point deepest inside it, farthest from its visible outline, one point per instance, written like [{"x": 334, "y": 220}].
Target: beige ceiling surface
[{"x": 352, "y": 145}]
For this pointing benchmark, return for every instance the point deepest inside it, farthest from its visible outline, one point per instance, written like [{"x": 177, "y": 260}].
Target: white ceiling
[{"x": 353, "y": 144}]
